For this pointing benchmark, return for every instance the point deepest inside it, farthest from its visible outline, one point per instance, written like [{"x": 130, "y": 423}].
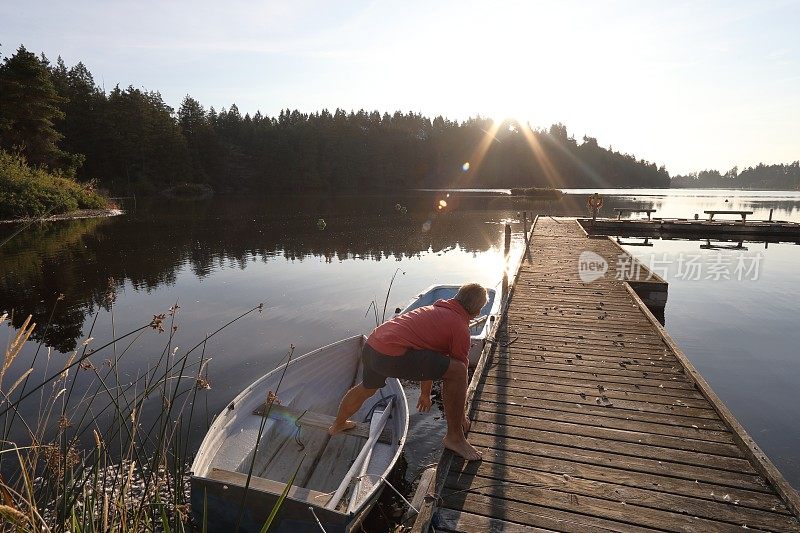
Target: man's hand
[{"x": 424, "y": 403}]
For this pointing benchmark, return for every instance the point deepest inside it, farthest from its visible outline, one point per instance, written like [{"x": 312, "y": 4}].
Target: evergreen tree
[
  {"x": 29, "y": 105},
  {"x": 202, "y": 143}
]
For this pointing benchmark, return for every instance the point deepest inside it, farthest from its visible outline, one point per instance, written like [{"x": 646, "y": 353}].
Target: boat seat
[
  {"x": 318, "y": 420},
  {"x": 267, "y": 485}
]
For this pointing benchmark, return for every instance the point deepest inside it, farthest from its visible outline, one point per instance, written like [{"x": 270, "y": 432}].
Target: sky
[{"x": 690, "y": 85}]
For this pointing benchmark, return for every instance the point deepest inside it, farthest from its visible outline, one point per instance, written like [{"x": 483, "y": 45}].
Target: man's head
[{"x": 473, "y": 297}]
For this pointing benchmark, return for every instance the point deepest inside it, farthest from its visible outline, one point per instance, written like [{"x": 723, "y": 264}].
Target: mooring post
[
  {"x": 507, "y": 246},
  {"x": 525, "y": 226}
]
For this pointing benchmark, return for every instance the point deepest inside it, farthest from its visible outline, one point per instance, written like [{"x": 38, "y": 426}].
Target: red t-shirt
[{"x": 442, "y": 327}]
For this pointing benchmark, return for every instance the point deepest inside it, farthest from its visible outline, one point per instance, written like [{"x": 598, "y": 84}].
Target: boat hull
[{"x": 224, "y": 504}]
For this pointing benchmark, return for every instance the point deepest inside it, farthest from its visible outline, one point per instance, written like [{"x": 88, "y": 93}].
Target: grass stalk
[{"x": 132, "y": 477}]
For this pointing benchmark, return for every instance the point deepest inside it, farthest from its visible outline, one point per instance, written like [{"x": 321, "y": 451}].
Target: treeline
[
  {"x": 129, "y": 139},
  {"x": 775, "y": 177}
]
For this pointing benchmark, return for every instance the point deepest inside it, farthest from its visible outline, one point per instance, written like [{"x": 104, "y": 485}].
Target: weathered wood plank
[
  {"x": 304, "y": 418},
  {"x": 527, "y": 485},
  {"x": 541, "y": 372},
  {"x": 537, "y": 515},
  {"x": 572, "y": 502},
  {"x": 597, "y": 418},
  {"x": 692, "y": 473},
  {"x": 567, "y": 348},
  {"x": 597, "y": 430},
  {"x": 495, "y": 404},
  {"x": 268, "y": 485},
  {"x": 594, "y": 384},
  {"x": 611, "y": 393},
  {"x": 577, "y": 365},
  {"x": 663, "y": 483},
  {"x": 578, "y": 341},
  {"x": 500, "y": 433},
  {"x": 520, "y": 397},
  {"x": 459, "y": 521},
  {"x": 334, "y": 462}
]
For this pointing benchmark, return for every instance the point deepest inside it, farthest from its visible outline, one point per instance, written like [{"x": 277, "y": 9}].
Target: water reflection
[
  {"x": 149, "y": 248},
  {"x": 222, "y": 256}
]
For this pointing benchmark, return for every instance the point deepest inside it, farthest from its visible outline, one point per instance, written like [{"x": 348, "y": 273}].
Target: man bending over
[{"x": 430, "y": 342}]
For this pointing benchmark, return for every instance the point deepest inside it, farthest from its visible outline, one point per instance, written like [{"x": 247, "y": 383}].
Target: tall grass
[
  {"x": 89, "y": 461},
  {"x": 373, "y": 306}
]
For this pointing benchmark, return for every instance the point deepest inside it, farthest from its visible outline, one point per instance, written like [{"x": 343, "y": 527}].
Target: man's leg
[
  {"x": 351, "y": 403},
  {"x": 454, "y": 394}
]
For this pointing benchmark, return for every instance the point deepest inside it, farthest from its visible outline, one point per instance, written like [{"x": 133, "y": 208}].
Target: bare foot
[
  {"x": 466, "y": 424},
  {"x": 338, "y": 428},
  {"x": 462, "y": 447}
]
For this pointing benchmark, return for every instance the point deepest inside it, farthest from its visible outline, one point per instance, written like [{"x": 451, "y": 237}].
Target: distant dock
[
  {"x": 591, "y": 418},
  {"x": 689, "y": 228}
]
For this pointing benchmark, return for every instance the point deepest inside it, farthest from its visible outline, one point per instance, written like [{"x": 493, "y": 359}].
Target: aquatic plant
[
  {"x": 89, "y": 461},
  {"x": 538, "y": 193}
]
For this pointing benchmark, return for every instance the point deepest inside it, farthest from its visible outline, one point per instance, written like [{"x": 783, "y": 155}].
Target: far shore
[{"x": 73, "y": 215}]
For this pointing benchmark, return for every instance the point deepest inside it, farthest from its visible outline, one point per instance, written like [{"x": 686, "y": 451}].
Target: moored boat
[
  {"x": 479, "y": 327},
  {"x": 238, "y": 477}
]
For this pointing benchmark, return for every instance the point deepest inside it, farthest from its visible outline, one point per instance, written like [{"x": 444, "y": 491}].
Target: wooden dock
[
  {"x": 757, "y": 230},
  {"x": 592, "y": 419}
]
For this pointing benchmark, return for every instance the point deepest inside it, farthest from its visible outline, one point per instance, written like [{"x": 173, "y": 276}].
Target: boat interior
[{"x": 295, "y": 442}]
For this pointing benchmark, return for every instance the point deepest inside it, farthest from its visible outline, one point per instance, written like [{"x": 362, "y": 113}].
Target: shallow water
[{"x": 318, "y": 262}]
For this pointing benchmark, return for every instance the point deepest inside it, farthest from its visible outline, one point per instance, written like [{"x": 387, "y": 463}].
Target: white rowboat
[{"x": 351, "y": 466}]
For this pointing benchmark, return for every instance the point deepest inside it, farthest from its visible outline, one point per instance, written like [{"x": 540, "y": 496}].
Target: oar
[
  {"x": 360, "y": 481},
  {"x": 375, "y": 431},
  {"x": 479, "y": 320}
]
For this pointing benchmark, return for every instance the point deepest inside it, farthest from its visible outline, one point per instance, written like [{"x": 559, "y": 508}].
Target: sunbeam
[
  {"x": 554, "y": 179},
  {"x": 471, "y": 167}
]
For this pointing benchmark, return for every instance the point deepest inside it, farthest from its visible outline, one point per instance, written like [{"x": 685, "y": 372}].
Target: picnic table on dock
[
  {"x": 622, "y": 210},
  {"x": 713, "y": 212}
]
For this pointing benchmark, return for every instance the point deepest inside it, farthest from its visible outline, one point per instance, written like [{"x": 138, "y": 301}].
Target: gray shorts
[{"x": 414, "y": 365}]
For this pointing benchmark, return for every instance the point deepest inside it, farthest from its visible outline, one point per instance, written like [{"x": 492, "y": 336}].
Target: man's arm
[
  {"x": 425, "y": 401},
  {"x": 460, "y": 345}
]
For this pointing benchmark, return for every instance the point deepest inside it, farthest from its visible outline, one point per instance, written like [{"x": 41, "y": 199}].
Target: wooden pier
[
  {"x": 757, "y": 230},
  {"x": 590, "y": 418}
]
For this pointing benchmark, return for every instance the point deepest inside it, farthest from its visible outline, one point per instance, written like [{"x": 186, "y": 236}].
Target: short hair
[{"x": 473, "y": 297}]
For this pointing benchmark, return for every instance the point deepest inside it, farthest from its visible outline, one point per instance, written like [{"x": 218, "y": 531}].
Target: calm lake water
[{"x": 318, "y": 262}]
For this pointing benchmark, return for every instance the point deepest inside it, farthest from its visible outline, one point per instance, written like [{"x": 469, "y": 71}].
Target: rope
[
  {"x": 317, "y": 519},
  {"x": 297, "y": 431},
  {"x": 380, "y": 403},
  {"x": 394, "y": 489}
]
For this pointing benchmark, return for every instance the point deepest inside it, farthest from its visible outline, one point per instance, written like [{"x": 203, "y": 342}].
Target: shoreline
[{"x": 74, "y": 215}]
